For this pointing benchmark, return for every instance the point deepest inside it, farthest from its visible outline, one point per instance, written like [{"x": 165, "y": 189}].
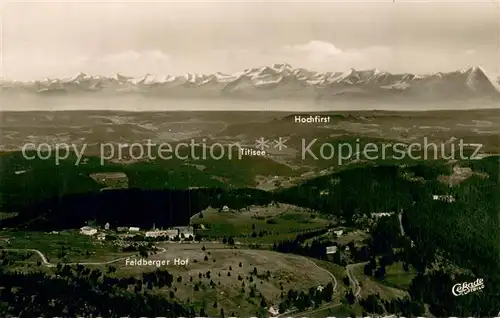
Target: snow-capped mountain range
[{"x": 276, "y": 81}]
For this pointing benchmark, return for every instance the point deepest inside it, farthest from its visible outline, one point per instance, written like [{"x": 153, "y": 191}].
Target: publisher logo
[{"x": 466, "y": 288}]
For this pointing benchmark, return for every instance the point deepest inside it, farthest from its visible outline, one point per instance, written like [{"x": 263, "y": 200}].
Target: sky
[{"x": 61, "y": 38}]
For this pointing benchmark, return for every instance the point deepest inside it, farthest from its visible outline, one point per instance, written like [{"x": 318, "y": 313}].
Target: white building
[
  {"x": 187, "y": 231},
  {"x": 106, "y": 226},
  {"x": 273, "y": 311},
  {"x": 133, "y": 229},
  {"x": 87, "y": 230},
  {"x": 225, "y": 208},
  {"x": 381, "y": 214},
  {"x": 445, "y": 198},
  {"x": 339, "y": 232},
  {"x": 101, "y": 236},
  {"x": 331, "y": 249},
  {"x": 169, "y": 233}
]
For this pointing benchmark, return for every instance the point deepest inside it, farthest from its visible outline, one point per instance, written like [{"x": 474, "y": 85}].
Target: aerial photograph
[{"x": 258, "y": 159}]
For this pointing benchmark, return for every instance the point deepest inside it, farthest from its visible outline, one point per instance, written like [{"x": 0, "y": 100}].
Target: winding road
[
  {"x": 48, "y": 264},
  {"x": 356, "y": 287},
  {"x": 334, "y": 280},
  {"x": 356, "y": 292}
]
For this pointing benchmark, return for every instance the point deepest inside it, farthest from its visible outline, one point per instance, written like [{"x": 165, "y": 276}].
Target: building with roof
[
  {"x": 444, "y": 198},
  {"x": 186, "y": 231},
  {"x": 273, "y": 311},
  {"x": 331, "y": 249},
  {"x": 87, "y": 230},
  {"x": 133, "y": 229},
  {"x": 338, "y": 232},
  {"x": 101, "y": 236},
  {"x": 158, "y": 233},
  {"x": 381, "y": 214}
]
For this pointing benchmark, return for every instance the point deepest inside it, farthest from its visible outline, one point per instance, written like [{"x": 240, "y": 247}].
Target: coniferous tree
[{"x": 263, "y": 302}]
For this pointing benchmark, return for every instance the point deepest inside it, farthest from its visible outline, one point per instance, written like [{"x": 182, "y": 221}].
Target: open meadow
[{"x": 259, "y": 224}]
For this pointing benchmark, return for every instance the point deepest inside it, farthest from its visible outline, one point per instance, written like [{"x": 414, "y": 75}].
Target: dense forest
[
  {"x": 367, "y": 189},
  {"x": 80, "y": 291},
  {"x": 131, "y": 207},
  {"x": 465, "y": 232},
  {"x": 347, "y": 193}
]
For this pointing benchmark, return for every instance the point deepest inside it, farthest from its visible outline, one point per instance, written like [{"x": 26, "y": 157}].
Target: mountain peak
[
  {"x": 281, "y": 66},
  {"x": 474, "y": 69},
  {"x": 78, "y": 77}
]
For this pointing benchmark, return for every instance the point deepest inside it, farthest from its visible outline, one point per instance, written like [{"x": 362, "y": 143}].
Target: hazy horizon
[{"x": 134, "y": 103}]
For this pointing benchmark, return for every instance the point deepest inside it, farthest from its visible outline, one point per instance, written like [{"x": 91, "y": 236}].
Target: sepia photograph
[{"x": 235, "y": 158}]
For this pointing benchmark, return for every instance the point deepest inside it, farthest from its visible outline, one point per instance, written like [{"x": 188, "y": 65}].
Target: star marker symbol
[
  {"x": 261, "y": 143},
  {"x": 280, "y": 143}
]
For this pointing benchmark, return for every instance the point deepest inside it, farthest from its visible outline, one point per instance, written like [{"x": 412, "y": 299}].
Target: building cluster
[
  {"x": 90, "y": 231},
  {"x": 381, "y": 214},
  {"x": 183, "y": 232},
  {"x": 445, "y": 198},
  {"x": 337, "y": 232}
]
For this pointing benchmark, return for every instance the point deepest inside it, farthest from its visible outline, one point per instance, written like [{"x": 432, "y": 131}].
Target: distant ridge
[{"x": 276, "y": 81}]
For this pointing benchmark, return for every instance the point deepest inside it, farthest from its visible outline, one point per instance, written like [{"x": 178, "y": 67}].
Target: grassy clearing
[
  {"x": 348, "y": 235},
  {"x": 22, "y": 261},
  {"x": 67, "y": 246},
  {"x": 115, "y": 180},
  {"x": 267, "y": 239},
  {"x": 371, "y": 286},
  {"x": 275, "y": 222},
  {"x": 397, "y": 277},
  {"x": 354, "y": 236}
]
